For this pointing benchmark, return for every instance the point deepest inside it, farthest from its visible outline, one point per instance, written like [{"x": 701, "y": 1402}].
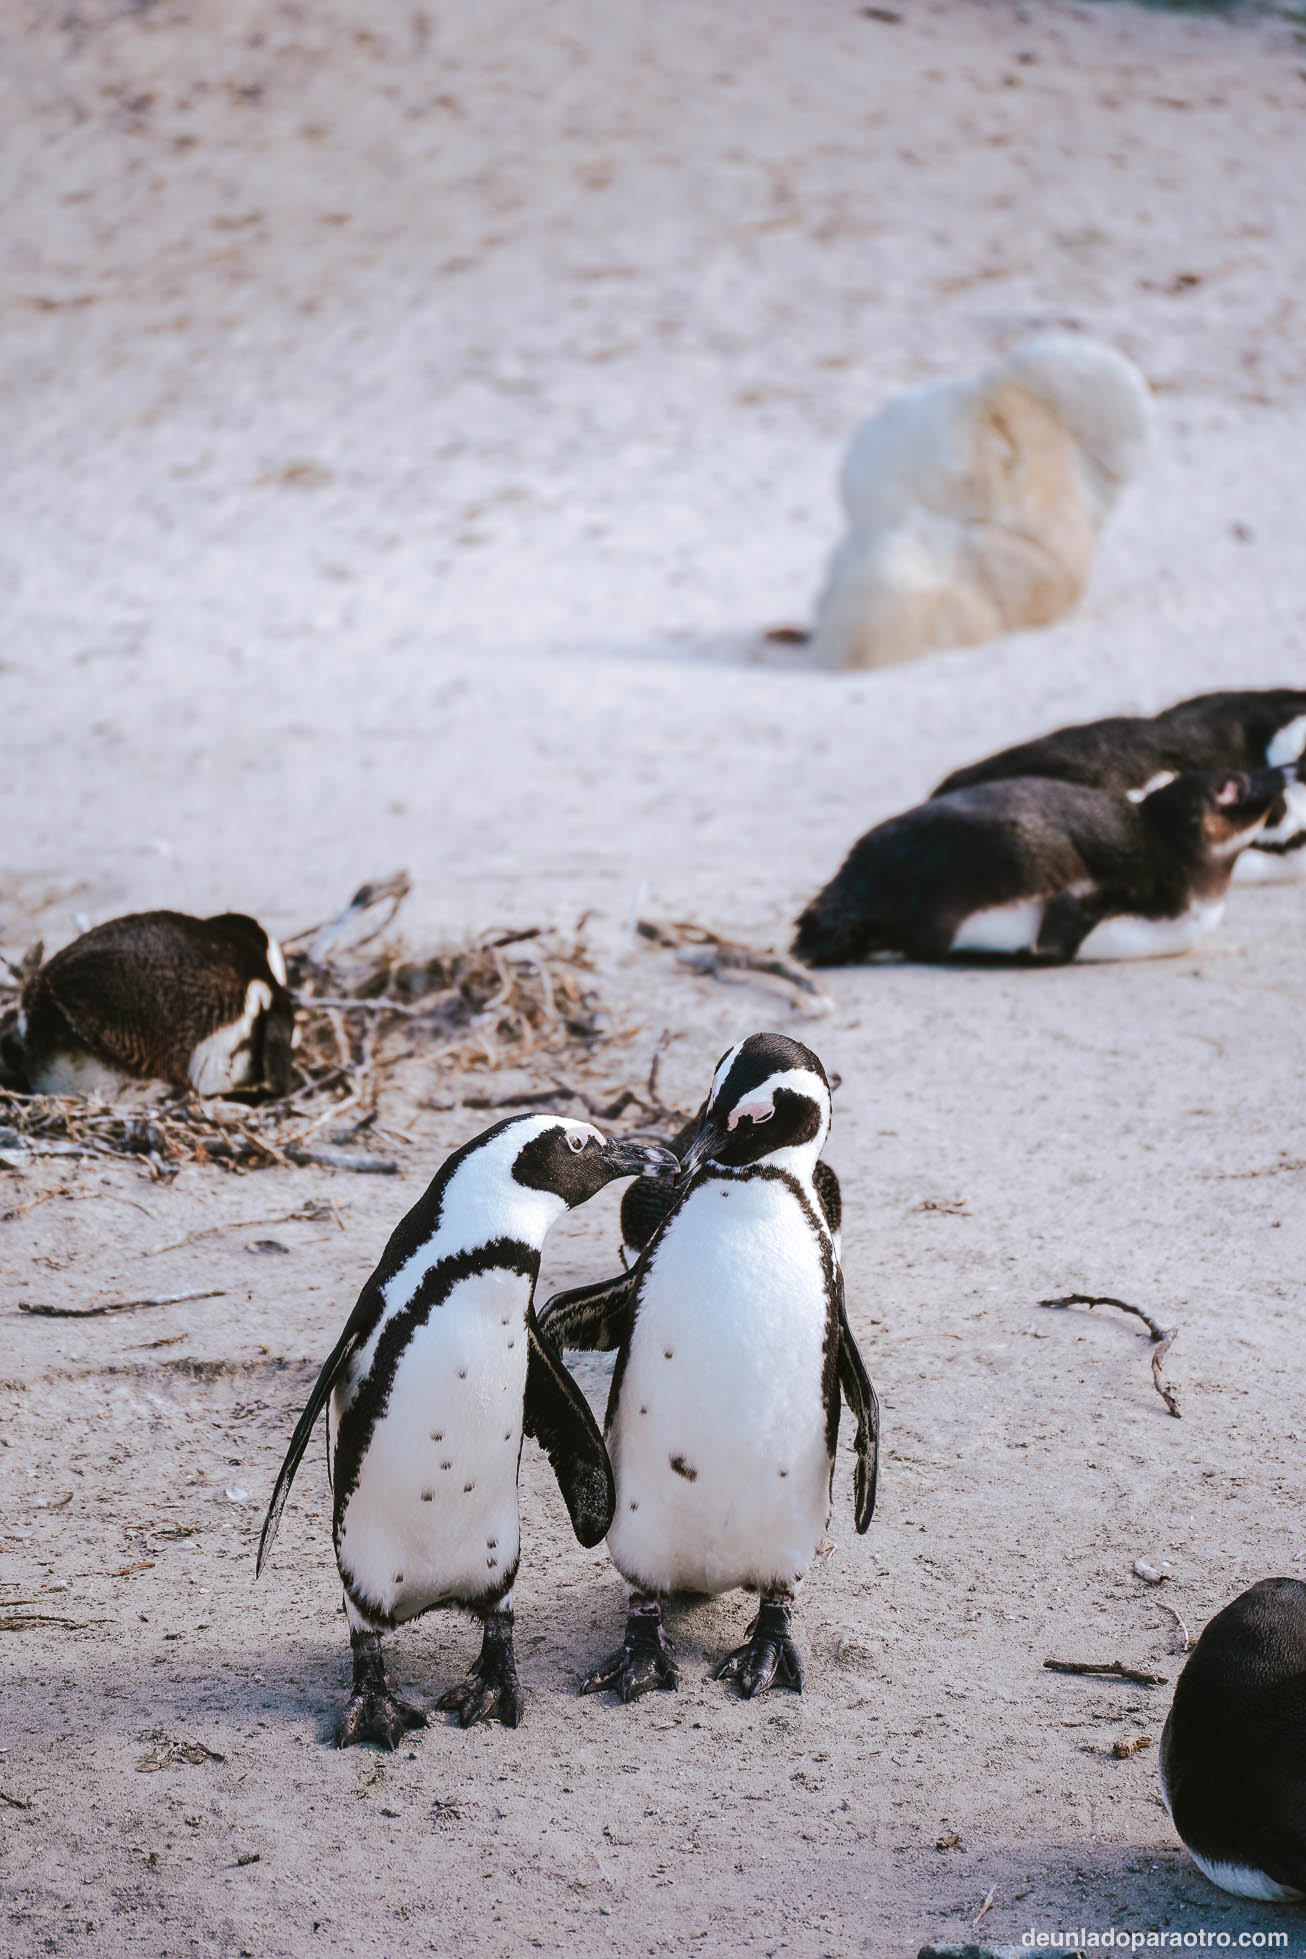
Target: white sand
[{"x": 411, "y": 424}]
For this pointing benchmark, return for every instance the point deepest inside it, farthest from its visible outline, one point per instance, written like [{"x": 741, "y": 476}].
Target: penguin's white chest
[
  {"x": 718, "y": 1439},
  {"x": 433, "y": 1517}
]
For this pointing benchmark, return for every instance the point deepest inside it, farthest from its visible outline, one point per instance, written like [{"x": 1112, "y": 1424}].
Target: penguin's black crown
[{"x": 768, "y": 1093}]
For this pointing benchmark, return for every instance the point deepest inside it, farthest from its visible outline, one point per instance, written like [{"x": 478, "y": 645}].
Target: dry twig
[
  {"x": 705, "y": 951},
  {"x": 46, "y": 1311},
  {"x": 1164, "y": 1337},
  {"x": 1113, "y": 1669}
]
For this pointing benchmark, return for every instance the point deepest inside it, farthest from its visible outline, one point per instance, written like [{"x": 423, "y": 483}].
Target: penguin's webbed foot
[
  {"x": 768, "y": 1659},
  {"x": 643, "y": 1661},
  {"x": 492, "y": 1687},
  {"x": 380, "y": 1716}
]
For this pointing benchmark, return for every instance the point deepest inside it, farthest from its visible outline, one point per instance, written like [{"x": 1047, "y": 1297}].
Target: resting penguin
[
  {"x": 1233, "y": 1754},
  {"x": 650, "y": 1199},
  {"x": 157, "y": 997},
  {"x": 733, "y": 1347},
  {"x": 1133, "y": 755},
  {"x": 1044, "y": 870},
  {"x": 439, "y": 1371}
]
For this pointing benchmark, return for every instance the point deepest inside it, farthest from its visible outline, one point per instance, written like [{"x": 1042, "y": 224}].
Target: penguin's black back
[{"x": 1233, "y": 1754}]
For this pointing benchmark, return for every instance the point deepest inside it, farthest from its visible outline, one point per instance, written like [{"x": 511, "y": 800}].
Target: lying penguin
[
  {"x": 1233, "y": 1754},
  {"x": 440, "y": 1369},
  {"x": 649, "y": 1201},
  {"x": 1133, "y": 755},
  {"x": 157, "y": 997},
  {"x": 733, "y": 1347},
  {"x": 1042, "y": 870}
]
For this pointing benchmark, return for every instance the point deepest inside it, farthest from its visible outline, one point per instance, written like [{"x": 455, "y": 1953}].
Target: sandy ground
[{"x": 412, "y": 422}]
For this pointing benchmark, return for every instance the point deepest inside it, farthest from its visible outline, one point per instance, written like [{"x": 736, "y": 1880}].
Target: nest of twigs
[{"x": 502, "y": 999}]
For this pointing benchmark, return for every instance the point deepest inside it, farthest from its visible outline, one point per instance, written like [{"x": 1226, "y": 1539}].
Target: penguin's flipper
[
  {"x": 591, "y": 1319},
  {"x": 865, "y": 1410},
  {"x": 557, "y": 1414},
  {"x": 357, "y": 1327}
]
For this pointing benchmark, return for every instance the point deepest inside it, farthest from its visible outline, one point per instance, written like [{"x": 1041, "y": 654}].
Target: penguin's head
[
  {"x": 768, "y": 1094},
  {"x": 573, "y": 1160},
  {"x": 1216, "y": 812}
]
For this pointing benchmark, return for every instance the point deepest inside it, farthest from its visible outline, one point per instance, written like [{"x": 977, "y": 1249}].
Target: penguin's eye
[
  {"x": 575, "y": 1143},
  {"x": 764, "y": 1115}
]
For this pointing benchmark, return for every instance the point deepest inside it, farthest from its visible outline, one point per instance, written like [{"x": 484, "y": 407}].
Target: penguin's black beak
[
  {"x": 709, "y": 1139},
  {"x": 632, "y": 1159}
]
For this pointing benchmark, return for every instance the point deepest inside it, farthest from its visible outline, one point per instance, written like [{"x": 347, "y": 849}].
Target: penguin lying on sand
[
  {"x": 733, "y": 1347},
  {"x": 158, "y": 997},
  {"x": 1233, "y": 1754},
  {"x": 439, "y": 1371},
  {"x": 1132, "y": 754},
  {"x": 1042, "y": 869},
  {"x": 649, "y": 1201}
]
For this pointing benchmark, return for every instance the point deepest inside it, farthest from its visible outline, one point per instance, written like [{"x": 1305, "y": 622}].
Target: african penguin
[
  {"x": 733, "y": 1347},
  {"x": 1132, "y": 754},
  {"x": 440, "y": 1370},
  {"x": 158, "y": 997},
  {"x": 1233, "y": 1754},
  {"x": 1041, "y": 869},
  {"x": 647, "y": 1202}
]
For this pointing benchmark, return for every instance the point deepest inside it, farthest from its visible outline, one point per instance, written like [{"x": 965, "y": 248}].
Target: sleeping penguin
[
  {"x": 733, "y": 1347},
  {"x": 1133, "y": 754},
  {"x": 1233, "y": 1754},
  {"x": 1042, "y": 870},
  {"x": 159, "y": 998},
  {"x": 440, "y": 1370}
]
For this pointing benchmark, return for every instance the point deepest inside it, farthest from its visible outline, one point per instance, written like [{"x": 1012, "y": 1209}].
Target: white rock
[{"x": 974, "y": 506}]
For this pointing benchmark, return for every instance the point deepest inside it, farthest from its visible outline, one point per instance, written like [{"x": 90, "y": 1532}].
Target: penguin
[
  {"x": 157, "y": 997},
  {"x": 1043, "y": 870},
  {"x": 647, "y": 1202},
  {"x": 1133, "y": 754},
  {"x": 733, "y": 1347},
  {"x": 439, "y": 1371},
  {"x": 1233, "y": 1752}
]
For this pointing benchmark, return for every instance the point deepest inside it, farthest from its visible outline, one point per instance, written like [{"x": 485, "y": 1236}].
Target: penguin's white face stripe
[
  {"x": 760, "y": 1102},
  {"x": 727, "y": 1062},
  {"x": 1288, "y": 744},
  {"x": 578, "y": 1133},
  {"x": 1152, "y": 784},
  {"x": 215, "y": 1064},
  {"x": 276, "y": 961}
]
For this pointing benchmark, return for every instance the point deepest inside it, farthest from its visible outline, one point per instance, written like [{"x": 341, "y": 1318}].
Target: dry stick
[
  {"x": 1115, "y": 1669},
  {"x": 368, "y": 1166},
  {"x": 1164, "y": 1337},
  {"x": 1183, "y": 1630},
  {"x": 115, "y": 1305}
]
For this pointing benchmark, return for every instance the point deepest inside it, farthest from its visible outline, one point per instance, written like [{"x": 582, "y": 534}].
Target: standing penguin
[
  {"x": 733, "y": 1347},
  {"x": 158, "y": 997},
  {"x": 440, "y": 1369},
  {"x": 1233, "y": 1754}
]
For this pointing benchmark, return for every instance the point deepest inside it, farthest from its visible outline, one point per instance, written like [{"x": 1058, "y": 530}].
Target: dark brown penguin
[
  {"x": 1041, "y": 869},
  {"x": 158, "y": 997}
]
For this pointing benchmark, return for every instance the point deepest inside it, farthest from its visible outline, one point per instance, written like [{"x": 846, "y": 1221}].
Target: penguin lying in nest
[
  {"x": 1043, "y": 870},
  {"x": 1233, "y": 1754},
  {"x": 1133, "y": 754},
  {"x": 156, "y": 998}
]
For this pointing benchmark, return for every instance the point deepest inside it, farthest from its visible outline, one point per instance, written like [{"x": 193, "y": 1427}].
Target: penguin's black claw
[
  {"x": 484, "y": 1694},
  {"x": 492, "y": 1687},
  {"x": 384, "y": 1718},
  {"x": 644, "y": 1661},
  {"x": 770, "y": 1658}
]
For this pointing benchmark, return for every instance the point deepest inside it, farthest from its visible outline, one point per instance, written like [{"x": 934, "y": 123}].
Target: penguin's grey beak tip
[{"x": 634, "y": 1159}]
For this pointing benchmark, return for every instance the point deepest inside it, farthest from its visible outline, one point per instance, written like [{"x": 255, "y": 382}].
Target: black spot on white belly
[
  {"x": 462, "y": 1373},
  {"x": 446, "y": 1465},
  {"x": 682, "y": 1468},
  {"x": 491, "y": 1543},
  {"x": 437, "y": 1435},
  {"x": 634, "y": 1503},
  {"x": 427, "y": 1496},
  {"x": 643, "y": 1411},
  {"x": 667, "y": 1354},
  {"x": 784, "y": 1472},
  {"x": 467, "y": 1487}
]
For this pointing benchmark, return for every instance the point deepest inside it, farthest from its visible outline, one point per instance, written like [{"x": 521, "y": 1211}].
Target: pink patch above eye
[
  {"x": 1228, "y": 792},
  {"x": 751, "y": 1112}
]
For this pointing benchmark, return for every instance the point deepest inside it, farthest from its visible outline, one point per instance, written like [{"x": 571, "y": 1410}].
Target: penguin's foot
[
  {"x": 492, "y": 1686},
  {"x": 375, "y": 1711},
  {"x": 384, "y": 1718},
  {"x": 770, "y": 1658},
  {"x": 644, "y": 1660}
]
